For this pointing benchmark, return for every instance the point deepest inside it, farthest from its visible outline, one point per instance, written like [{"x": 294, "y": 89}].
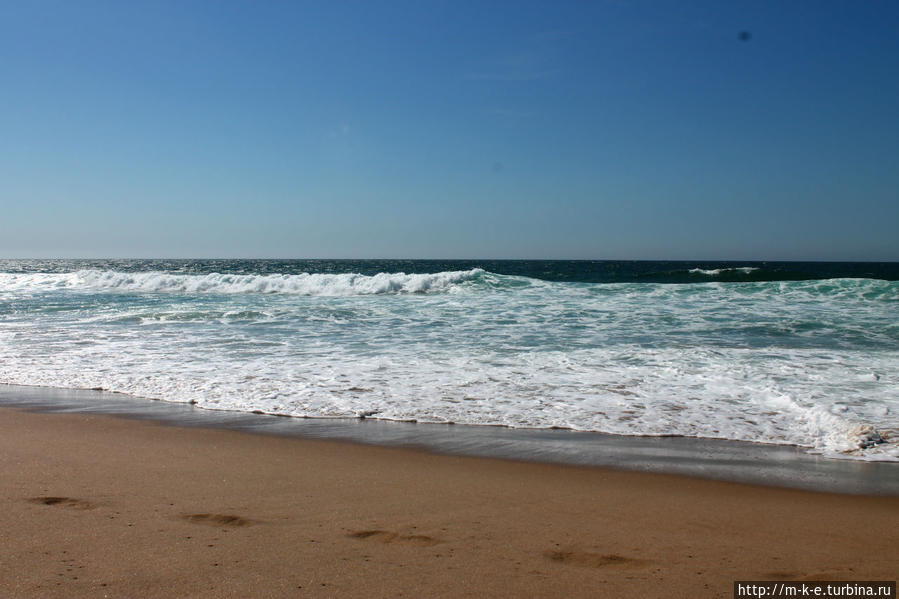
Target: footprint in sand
[
  {"x": 593, "y": 560},
  {"x": 219, "y": 520},
  {"x": 69, "y": 502},
  {"x": 385, "y": 536}
]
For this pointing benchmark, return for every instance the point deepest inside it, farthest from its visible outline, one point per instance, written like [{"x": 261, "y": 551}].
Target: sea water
[{"x": 784, "y": 353}]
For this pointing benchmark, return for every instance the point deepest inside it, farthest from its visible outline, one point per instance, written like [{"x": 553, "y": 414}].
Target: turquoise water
[{"x": 789, "y": 353}]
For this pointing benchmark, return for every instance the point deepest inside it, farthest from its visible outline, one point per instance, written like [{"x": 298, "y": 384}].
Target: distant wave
[
  {"x": 722, "y": 274},
  {"x": 717, "y": 271},
  {"x": 299, "y": 284}
]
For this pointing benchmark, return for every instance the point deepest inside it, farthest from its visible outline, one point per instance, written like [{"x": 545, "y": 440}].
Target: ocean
[{"x": 786, "y": 353}]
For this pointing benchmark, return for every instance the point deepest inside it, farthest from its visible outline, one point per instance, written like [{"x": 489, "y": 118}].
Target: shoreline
[
  {"x": 98, "y": 505},
  {"x": 715, "y": 459}
]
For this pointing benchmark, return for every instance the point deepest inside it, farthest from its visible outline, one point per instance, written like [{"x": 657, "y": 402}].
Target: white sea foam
[{"x": 807, "y": 363}]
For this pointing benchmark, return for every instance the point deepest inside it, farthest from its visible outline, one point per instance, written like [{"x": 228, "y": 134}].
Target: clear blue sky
[{"x": 607, "y": 129}]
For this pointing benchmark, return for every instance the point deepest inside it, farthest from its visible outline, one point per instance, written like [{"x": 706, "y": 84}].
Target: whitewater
[{"x": 810, "y": 363}]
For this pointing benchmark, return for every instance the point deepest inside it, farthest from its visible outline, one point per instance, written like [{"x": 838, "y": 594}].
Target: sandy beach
[{"x": 99, "y": 506}]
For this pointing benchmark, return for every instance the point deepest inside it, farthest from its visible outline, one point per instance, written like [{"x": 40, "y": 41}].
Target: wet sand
[
  {"x": 98, "y": 506},
  {"x": 718, "y": 459}
]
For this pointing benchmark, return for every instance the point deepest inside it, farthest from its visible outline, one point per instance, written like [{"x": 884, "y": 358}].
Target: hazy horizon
[{"x": 431, "y": 259}]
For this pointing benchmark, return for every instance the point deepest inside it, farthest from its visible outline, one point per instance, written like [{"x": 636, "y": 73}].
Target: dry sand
[{"x": 96, "y": 506}]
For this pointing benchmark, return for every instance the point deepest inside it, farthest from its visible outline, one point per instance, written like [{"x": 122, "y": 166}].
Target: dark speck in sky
[{"x": 744, "y": 36}]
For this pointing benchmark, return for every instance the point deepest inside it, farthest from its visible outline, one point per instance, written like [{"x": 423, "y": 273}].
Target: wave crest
[{"x": 315, "y": 284}]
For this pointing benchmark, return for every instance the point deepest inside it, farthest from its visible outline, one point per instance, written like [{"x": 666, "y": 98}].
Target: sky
[{"x": 753, "y": 130}]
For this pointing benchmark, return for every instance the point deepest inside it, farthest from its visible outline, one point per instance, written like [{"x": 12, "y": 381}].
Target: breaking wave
[{"x": 315, "y": 284}]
